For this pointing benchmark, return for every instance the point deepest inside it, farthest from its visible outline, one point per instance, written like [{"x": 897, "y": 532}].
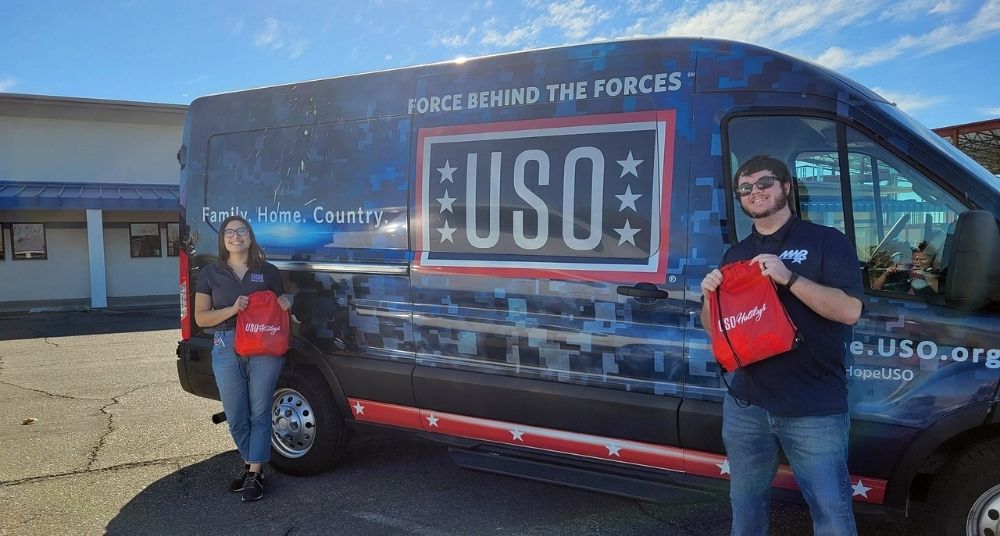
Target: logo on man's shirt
[
  {"x": 256, "y": 278},
  {"x": 796, "y": 255}
]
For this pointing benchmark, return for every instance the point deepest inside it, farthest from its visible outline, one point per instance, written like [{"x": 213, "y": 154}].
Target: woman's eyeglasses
[
  {"x": 242, "y": 231},
  {"x": 762, "y": 184}
]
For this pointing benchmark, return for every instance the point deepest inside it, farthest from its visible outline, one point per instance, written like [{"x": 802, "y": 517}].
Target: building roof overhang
[{"x": 16, "y": 195}]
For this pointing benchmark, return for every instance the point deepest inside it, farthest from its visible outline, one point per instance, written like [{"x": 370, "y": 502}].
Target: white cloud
[
  {"x": 770, "y": 24},
  {"x": 277, "y": 35},
  {"x": 526, "y": 34},
  {"x": 455, "y": 40},
  {"x": 992, "y": 112},
  {"x": 983, "y": 24},
  {"x": 644, "y": 7},
  {"x": 575, "y": 18},
  {"x": 236, "y": 25},
  {"x": 946, "y": 6},
  {"x": 7, "y": 83},
  {"x": 909, "y": 102}
]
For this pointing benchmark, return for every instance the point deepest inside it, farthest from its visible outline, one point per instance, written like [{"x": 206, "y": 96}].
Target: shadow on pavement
[{"x": 89, "y": 322}]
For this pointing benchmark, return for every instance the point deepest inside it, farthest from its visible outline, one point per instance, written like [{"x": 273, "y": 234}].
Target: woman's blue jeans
[
  {"x": 246, "y": 386},
  {"x": 816, "y": 448}
]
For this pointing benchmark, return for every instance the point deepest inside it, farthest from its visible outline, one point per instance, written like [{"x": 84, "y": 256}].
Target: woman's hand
[{"x": 241, "y": 303}]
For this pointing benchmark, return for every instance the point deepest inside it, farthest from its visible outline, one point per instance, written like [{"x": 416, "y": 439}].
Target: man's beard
[{"x": 780, "y": 203}]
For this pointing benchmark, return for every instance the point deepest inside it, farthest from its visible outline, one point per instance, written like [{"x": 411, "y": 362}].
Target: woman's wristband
[{"x": 791, "y": 280}]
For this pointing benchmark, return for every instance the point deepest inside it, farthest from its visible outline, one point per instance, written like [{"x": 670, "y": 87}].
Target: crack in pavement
[
  {"x": 47, "y": 341},
  {"x": 40, "y": 391},
  {"x": 115, "y": 400},
  {"x": 176, "y": 460}
]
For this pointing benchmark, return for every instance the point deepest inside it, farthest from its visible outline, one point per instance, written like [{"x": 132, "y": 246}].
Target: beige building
[{"x": 88, "y": 201}]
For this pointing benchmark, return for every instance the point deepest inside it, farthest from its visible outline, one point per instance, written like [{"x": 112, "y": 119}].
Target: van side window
[
  {"x": 901, "y": 220},
  {"x": 808, "y": 146},
  {"x": 900, "y": 217}
]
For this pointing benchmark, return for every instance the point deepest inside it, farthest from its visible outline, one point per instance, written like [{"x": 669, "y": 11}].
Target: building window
[
  {"x": 28, "y": 241},
  {"x": 173, "y": 239},
  {"x": 144, "y": 239}
]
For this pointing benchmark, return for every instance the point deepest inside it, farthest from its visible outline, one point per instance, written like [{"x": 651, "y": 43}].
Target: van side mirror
[{"x": 973, "y": 254}]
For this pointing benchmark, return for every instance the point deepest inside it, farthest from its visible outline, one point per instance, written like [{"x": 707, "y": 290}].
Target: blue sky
[{"x": 937, "y": 59}]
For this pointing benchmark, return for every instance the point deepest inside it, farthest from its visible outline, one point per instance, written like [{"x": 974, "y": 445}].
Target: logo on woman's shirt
[{"x": 256, "y": 278}]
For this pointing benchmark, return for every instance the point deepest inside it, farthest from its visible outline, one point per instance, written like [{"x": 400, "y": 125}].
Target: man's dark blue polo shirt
[
  {"x": 810, "y": 379},
  {"x": 221, "y": 284}
]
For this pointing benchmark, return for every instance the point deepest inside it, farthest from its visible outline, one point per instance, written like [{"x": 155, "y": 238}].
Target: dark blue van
[{"x": 504, "y": 253}]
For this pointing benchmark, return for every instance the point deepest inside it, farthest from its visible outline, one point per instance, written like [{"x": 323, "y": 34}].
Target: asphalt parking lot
[{"x": 113, "y": 445}]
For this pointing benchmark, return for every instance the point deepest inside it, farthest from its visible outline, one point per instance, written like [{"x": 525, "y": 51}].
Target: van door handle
[{"x": 644, "y": 290}]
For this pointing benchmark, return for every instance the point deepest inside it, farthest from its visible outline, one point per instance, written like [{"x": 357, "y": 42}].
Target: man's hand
[
  {"x": 711, "y": 282},
  {"x": 284, "y": 302},
  {"x": 773, "y": 267}
]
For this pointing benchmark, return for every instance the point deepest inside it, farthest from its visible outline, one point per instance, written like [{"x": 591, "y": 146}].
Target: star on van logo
[
  {"x": 629, "y": 166},
  {"x": 860, "y": 489},
  {"x": 432, "y": 421},
  {"x": 359, "y": 409},
  {"x": 613, "y": 450},
  {"x": 517, "y": 435},
  {"x": 628, "y": 199},
  {"x": 627, "y": 234},
  {"x": 446, "y": 172}
]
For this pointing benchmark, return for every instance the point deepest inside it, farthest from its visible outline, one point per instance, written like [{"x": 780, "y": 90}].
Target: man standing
[{"x": 797, "y": 400}]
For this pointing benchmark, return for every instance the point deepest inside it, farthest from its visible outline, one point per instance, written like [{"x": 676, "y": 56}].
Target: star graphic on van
[
  {"x": 358, "y": 408},
  {"x": 446, "y": 233},
  {"x": 860, "y": 489},
  {"x": 627, "y": 234},
  {"x": 517, "y": 435},
  {"x": 613, "y": 450},
  {"x": 723, "y": 467},
  {"x": 627, "y": 199},
  {"x": 432, "y": 421},
  {"x": 628, "y": 165},
  {"x": 446, "y": 172},
  {"x": 446, "y": 202}
]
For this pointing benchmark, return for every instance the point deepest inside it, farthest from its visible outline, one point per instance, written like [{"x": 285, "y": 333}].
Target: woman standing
[{"x": 246, "y": 385}]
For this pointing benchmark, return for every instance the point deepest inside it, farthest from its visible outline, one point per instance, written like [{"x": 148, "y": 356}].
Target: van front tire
[
  {"x": 308, "y": 434},
  {"x": 966, "y": 493}
]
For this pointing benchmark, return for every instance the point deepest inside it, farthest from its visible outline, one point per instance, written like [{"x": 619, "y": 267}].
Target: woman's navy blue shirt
[
  {"x": 221, "y": 284},
  {"x": 810, "y": 379}
]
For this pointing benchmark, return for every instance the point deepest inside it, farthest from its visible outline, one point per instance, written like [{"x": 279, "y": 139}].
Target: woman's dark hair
[
  {"x": 255, "y": 255},
  {"x": 760, "y": 163},
  {"x": 926, "y": 248}
]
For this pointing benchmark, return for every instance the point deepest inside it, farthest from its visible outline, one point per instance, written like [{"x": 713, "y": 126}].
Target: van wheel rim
[
  {"x": 293, "y": 423},
  {"x": 984, "y": 517}
]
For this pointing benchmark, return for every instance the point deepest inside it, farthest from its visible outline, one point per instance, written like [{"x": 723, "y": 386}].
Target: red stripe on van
[{"x": 870, "y": 490}]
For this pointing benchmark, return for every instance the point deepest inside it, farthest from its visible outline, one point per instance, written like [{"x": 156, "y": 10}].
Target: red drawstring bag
[
  {"x": 750, "y": 324},
  {"x": 262, "y": 329}
]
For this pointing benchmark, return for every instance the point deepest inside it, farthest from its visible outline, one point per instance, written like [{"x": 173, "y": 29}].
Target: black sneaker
[
  {"x": 236, "y": 485},
  {"x": 253, "y": 487}
]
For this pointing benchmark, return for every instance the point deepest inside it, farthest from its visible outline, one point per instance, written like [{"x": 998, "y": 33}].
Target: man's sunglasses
[{"x": 762, "y": 184}]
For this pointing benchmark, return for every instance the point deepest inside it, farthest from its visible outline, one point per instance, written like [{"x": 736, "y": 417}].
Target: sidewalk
[{"x": 83, "y": 304}]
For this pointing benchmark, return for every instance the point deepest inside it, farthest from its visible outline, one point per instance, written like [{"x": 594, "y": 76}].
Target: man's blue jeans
[
  {"x": 246, "y": 386},
  {"x": 816, "y": 448}
]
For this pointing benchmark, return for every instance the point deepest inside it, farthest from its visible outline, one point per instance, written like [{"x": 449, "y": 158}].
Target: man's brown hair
[{"x": 762, "y": 162}]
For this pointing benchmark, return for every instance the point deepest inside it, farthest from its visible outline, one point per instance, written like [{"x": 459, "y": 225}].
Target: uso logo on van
[{"x": 569, "y": 198}]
